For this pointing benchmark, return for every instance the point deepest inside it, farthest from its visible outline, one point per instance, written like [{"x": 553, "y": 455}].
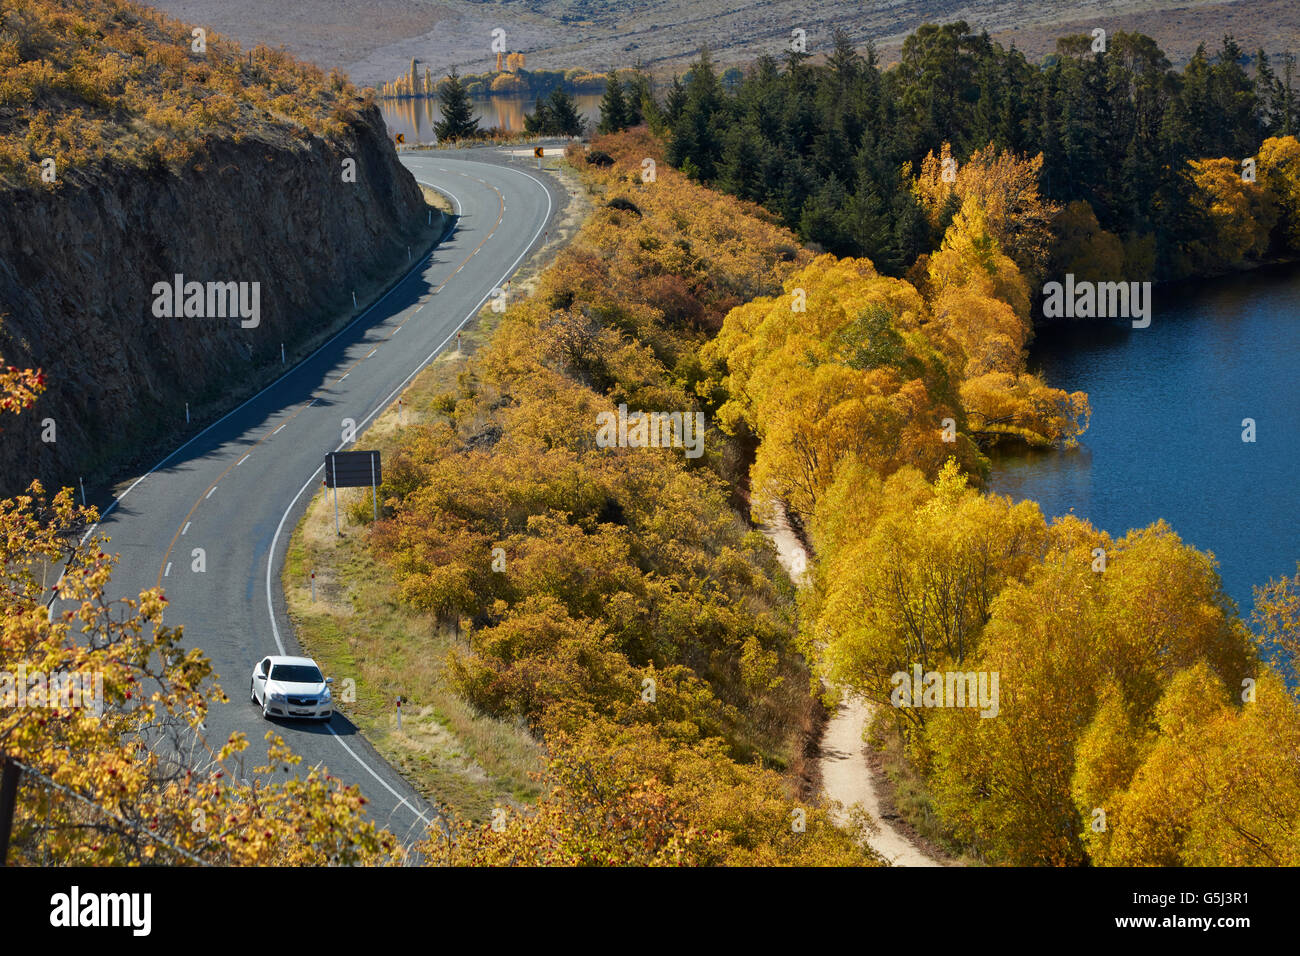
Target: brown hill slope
[{"x": 375, "y": 40}]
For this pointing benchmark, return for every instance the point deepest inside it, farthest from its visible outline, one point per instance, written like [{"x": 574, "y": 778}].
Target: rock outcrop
[{"x": 78, "y": 266}]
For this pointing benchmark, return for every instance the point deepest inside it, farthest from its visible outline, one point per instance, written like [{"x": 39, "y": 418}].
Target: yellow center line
[{"x": 186, "y": 520}]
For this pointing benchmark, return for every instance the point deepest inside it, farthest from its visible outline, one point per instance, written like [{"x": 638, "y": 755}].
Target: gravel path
[{"x": 847, "y": 779}]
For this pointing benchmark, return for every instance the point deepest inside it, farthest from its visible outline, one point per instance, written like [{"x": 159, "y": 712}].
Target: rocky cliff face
[{"x": 79, "y": 265}]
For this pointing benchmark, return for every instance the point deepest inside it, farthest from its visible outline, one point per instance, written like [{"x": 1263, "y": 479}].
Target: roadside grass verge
[{"x": 360, "y": 632}]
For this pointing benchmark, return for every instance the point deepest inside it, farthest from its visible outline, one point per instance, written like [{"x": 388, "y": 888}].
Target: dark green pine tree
[
  {"x": 638, "y": 98},
  {"x": 458, "y": 119},
  {"x": 613, "y": 107},
  {"x": 557, "y": 115},
  {"x": 675, "y": 102},
  {"x": 538, "y": 122}
]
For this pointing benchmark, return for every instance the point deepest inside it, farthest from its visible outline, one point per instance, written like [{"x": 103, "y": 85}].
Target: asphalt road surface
[{"x": 238, "y": 488}]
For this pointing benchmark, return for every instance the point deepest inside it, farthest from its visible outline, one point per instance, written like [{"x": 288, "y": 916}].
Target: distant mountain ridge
[{"x": 374, "y": 40}]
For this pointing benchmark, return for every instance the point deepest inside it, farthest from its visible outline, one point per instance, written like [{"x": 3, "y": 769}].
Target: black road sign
[{"x": 352, "y": 469}]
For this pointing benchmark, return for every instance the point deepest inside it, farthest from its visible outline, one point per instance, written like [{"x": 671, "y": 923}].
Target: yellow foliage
[
  {"x": 1240, "y": 213},
  {"x": 1279, "y": 172},
  {"x": 1005, "y": 188}
]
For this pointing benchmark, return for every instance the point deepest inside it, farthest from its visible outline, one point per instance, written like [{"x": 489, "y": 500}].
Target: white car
[{"x": 291, "y": 687}]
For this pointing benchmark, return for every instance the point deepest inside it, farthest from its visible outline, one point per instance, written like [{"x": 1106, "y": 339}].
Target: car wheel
[
  {"x": 252, "y": 692},
  {"x": 266, "y": 714}
]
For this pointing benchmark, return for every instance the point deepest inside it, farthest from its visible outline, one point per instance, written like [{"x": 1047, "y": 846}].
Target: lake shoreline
[{"x": 1166, "y": 435}]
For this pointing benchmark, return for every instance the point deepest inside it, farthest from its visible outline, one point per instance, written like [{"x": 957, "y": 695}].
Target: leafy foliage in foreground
[{"x": 111, "y": 799}]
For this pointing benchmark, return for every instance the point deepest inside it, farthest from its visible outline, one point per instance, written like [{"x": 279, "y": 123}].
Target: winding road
[{"x": 237, "y": 488}]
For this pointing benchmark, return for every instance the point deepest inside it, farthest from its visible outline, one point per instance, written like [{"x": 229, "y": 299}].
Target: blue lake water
[{"x": 1166, "y": 435}]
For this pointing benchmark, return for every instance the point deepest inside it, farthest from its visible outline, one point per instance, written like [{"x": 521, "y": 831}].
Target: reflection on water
[
  {"x": 414, "y": 118},
  {"x": 1165, "y": 440}
]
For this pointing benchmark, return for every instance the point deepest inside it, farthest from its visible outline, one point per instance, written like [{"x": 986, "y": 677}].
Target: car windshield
[{"x": 296, "y": 674}]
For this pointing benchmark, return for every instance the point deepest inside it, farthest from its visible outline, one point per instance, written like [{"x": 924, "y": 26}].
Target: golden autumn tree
[
  {"x": 836, "y": 366},
  {"x": 1216, "y": 784},
  {"x": 1240, "y": 213},
  {"x": 917, "y": 586},
  {"x": 1277, "y": 615},
  {"x": 1085, "y": 658},
  {"x": 1279, "y": 171},
  {"x": 979, "y": 313},
  {"x": 1005, "y": 187},
  {"x": 1083, "y": 248}
]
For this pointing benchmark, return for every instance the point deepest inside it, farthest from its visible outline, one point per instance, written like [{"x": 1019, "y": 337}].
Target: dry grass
[
  {"x": 85, "y": 82},
  {"x": 359, "y": 631},
  {"x": 667, "y": 34}
]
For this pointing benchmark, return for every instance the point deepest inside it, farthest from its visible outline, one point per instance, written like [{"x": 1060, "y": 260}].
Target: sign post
[
  {"x": 539, "y": 152},
  {"x": 374, "y": 485},
  {"x": 353, "y": 469},
  {"x": 334, "y": 465}
]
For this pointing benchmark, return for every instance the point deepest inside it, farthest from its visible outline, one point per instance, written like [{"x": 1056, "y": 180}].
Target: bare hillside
[{"x": 374, "y": 40}]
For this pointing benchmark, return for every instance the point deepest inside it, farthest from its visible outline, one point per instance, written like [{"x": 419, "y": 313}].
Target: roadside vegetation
[{"x": 612, "y": 599}]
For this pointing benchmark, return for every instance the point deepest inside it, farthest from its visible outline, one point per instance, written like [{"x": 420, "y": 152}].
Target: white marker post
[
  {"x": 313, "y": 587},
  {"x": 187, "y": 413},
  {"x": 83, "y": 491},
  {"x": 281, "y": 353},
  {"x": 399, "y": 713},
  {"x": 354, "y": 298}
]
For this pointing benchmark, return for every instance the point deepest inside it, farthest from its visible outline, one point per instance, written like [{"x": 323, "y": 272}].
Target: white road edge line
[
  {"x": 279, "y": 528},
  {"x": 397, "y": 285},
  {"x": 210, "y": 491},
  {"x": 324, "y": 345}
]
